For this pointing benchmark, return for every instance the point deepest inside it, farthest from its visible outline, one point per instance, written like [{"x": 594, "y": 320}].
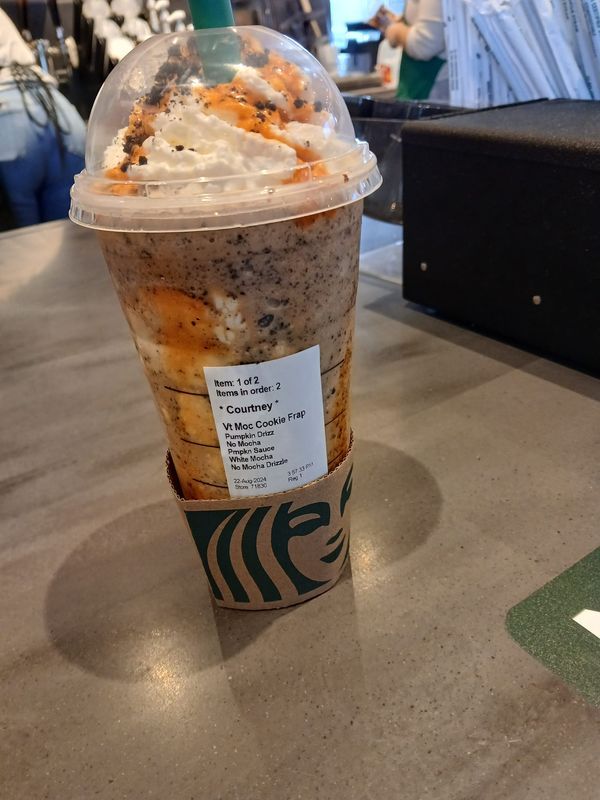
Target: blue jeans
[{"x": 35, "y": 173}]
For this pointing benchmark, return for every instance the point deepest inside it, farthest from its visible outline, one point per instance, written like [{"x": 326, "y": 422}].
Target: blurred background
[
  {"x": 55, "y": 55},
  {"x": 403, "y": 61},
  {"x": 79, "y": 42}
]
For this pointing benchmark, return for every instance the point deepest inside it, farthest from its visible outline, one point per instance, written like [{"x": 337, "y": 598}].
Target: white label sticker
[
  {"x": 590, "y": 620},
  {"x": 270, "y": 423}
]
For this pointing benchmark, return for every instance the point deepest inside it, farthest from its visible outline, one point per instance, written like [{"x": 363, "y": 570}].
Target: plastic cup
[{"x": 231, "y": 265}]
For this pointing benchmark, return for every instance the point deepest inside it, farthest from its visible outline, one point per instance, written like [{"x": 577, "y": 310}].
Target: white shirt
[
  {"x": 426, "y": 36},
  {"x": 14, "y": 50}
]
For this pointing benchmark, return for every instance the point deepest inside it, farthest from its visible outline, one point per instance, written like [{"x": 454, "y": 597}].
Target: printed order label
[{"x": 270, "y": 423}]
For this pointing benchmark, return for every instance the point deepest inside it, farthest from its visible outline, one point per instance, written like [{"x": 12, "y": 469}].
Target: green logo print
[
  {"x": 213, "y": 532},
  {"x": 346, "y": 491}
]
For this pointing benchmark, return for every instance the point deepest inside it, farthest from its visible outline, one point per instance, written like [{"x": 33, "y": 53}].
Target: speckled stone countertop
[{"x": 476, "y": 482}]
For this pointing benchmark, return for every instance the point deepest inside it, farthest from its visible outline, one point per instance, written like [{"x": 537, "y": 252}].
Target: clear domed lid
[{"x": 218, "y": 128}]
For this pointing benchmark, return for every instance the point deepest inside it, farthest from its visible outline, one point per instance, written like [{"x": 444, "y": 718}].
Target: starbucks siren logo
[{"x": 271, "y": 535}]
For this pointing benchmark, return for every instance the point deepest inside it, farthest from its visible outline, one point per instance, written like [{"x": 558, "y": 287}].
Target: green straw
[
  {"x": 211, "y": 13},
  {"x": 221, "y": 53}
]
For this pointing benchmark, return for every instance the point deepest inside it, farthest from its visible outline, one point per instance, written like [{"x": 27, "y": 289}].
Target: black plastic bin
[
  {"x": 380, "y": 123},
  {"x": 515, "y": 193}
]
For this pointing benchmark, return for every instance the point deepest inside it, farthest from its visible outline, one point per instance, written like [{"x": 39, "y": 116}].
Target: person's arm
[
  {"x": 396, "y": 33},
  {"x": 424, "y": 39}
]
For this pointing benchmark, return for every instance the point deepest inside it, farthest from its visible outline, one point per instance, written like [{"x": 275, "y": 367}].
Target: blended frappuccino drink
[
  {"x": 228, "y": 200},
  {"x": 232, "y": 298}
]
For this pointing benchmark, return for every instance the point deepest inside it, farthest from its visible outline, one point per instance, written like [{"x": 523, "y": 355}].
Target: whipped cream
[
  {"x": 250, "y": 78},
  {"x": 188, "y": 144},
  {"x": 193, "y": 141},
  {"x": 319, "y": 139}
]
